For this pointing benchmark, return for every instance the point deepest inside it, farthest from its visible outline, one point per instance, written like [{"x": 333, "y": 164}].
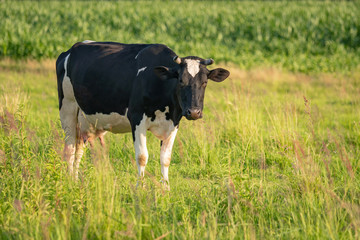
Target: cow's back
[{"x": 102, "y": 74}]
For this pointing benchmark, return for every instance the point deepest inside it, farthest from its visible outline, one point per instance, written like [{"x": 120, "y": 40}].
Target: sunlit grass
[{"x": 276, "y": 156}]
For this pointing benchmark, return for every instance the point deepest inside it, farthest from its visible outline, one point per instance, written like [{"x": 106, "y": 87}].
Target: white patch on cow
[
  {"x": 193, "y": 66},
  {"x": 140, "y": 70},
  {"x": 68, "y": 102},
  {"x": 68, "y": 117},
  {"x": 65, "y": 63},
  {"x": 164, "y": 130},
  {"x": 113, "y": 122},
  {"x": 161, "y": 127},
  {"x": 88, "y": 41},
  {"x": 66, "y": 84}
]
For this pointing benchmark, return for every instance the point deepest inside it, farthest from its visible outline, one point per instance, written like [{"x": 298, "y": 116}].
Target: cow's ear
[
  {"x": 218, "y": 74},
  {"x": 165, "y": 73}
]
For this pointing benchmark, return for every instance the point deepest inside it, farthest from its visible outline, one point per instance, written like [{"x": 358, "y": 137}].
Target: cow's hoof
[
  {"x": 76, "y": 177},
  {"x": 165, "y": 184}
]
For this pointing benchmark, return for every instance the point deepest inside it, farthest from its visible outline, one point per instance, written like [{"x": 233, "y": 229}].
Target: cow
[{"x": 115, "y": 87}]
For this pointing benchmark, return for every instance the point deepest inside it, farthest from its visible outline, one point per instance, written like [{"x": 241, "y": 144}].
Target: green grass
[
  {"x": 310, "y": 36},
  {"x": 264, "y": 163}
]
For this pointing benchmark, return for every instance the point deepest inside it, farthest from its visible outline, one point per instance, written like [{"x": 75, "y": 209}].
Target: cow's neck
[{"x": 177, "y": 115}]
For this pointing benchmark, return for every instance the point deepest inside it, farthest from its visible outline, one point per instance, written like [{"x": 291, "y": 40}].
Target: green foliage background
[{"x": 298, "y": 36}]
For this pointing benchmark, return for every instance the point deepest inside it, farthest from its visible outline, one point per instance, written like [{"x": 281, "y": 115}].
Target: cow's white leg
[
  {"x": 78, "y": 155},
  {"x": 165, "y": 157},
  {"x": 141, "y": 153},
  {"x": 68, "y": 117},
  {"x": 81, "y": 137}
]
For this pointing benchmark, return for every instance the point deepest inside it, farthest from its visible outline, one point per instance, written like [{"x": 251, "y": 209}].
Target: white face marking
[
  {"x": 140, "y": 70},
  {"x": 193, "y": 66}
]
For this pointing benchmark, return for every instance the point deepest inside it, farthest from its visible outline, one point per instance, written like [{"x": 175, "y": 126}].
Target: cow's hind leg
[
  {"x": 68, "y": 117},
  {"x": 165, "y": 157},
  {"x": 80, "y": 144}
]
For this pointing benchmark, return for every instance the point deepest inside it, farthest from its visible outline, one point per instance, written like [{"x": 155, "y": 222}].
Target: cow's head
[{"x": 192, "y": 76}]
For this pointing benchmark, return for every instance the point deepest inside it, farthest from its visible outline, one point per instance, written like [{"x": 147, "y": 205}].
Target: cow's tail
[{"x": 60, "y": 72}]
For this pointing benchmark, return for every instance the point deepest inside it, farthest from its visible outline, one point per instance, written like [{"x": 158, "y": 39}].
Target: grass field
[{"x": 276, "y": 156}]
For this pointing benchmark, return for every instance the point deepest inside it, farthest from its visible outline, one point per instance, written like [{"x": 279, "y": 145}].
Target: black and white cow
[{"x": 108, "y": 86}]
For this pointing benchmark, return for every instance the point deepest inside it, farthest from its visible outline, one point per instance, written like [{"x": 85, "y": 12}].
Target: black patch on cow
[
  {"x": 102, "y": 75},
  {"x": 167, "y": 116}
]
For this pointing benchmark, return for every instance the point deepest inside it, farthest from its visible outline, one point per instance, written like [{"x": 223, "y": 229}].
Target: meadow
[{"x": 276, "y": 155}]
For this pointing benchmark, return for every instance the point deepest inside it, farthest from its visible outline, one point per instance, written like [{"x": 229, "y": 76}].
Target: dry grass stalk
[
  {"x": 327, "y": 161},
  {"x": 307, "y": 104},
  {"x": 344, "y": 158},
  {"x": 162, "y": 236}
]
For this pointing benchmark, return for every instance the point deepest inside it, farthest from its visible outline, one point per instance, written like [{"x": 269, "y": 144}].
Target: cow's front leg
[
  {"x": 141, "y": 153},
  {"x": 165, "y": 157}
]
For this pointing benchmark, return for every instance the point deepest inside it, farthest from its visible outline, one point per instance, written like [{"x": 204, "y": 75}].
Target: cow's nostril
[{"x": 193, "y": 114}]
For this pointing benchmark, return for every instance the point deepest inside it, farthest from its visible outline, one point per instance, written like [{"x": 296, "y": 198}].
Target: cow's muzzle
[{"x": 193, "y": 114}]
